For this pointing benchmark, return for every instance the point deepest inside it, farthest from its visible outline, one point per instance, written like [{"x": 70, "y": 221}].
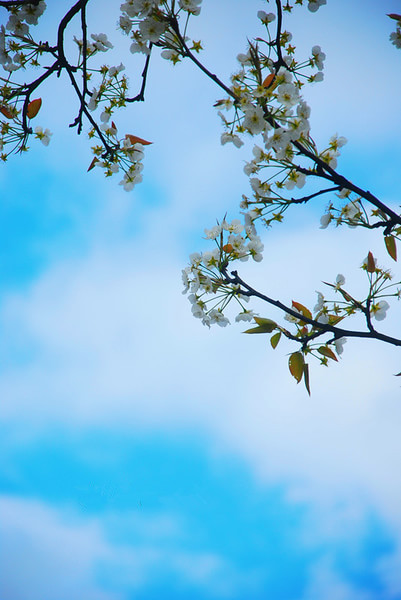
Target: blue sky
[{"x": 145, "y": 456}]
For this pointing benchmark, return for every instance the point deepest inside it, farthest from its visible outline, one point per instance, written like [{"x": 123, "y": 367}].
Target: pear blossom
[
  {"x": 254, "y": 120},
  {"x": 266, "y": 18},
  {"x": 216, "y": 316},
  {"x": 190, "y": 6},
  {"x": 287, "y": 94},
  {"x": 318, "y": 57},
  {"x": 245, "y": 315},
  {"x": 151, "y": 30},
  {"x": 92, "y": 104},
  {"x": 395, "y": 37},
  {"x": 114, "y": 71},
  {"x": 339, "y": 344},
  {"x": 213, "y": 233},
  {"x": 379, "y": 310},
  {"x": 231, "y": 137},
  {"x": 320, "y": 303},
  {"x": 101, "y": 42},
  {"x": 234, "y": 227},
  {"x": 43, "y": 136},
  {"x": 314, "y": 5},
  {"x": 340, "y": 280}
]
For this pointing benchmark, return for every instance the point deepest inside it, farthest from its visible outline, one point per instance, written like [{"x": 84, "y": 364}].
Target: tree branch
[{"x": 321, "y": 327}]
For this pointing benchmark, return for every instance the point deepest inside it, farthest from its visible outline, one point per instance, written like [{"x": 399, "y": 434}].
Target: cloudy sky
[{"x": 144, "y": 456}]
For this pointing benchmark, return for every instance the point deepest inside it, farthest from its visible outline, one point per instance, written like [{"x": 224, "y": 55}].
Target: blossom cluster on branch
[{"x": 263, "y": 100}]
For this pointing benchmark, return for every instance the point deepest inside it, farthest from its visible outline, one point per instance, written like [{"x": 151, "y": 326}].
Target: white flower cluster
[
  {"x": 18, "y": 26},
  {"x": 209, "y": 292},
  {"x": 269, "y": 103},
  {"x": 352, "y": 213},
  {"x": 148, "y": 21}
]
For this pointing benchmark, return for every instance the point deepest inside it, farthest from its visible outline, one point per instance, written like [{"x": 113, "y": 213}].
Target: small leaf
[
  {"x": 274, "y": 340},
  {"x": 256, "y": 330},
  {"x": 371, "y": 266},
  {"x": 394, "y": 16},
  {"x": 334, "y": 319},
  {"x": 302, "y": 309},
  {"x": 391, "y": 247},
  {"x": 4, "y": 111},
  {"x": 306, "y": 378},
  {"x": 296, "y": 365},
  {"x": 397, "y": 375},
  {"x": 93, "y": 163},
  {"x": 33, "y": 108},
  {"x": 264, "y": 326},
  {"x": 267, "y": 82},
  {"x": 134, "y": 139},
  {"x": 326, "y": 351},
  {"x": 268, "y": 324}
]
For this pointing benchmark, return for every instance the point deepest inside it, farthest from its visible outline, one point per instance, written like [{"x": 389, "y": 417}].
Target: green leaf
[
  {"x": 391, "y": 247},
  {"x": 326, "y": 351},
  {"x": 274, "y": 340},
  {"x": 296, "y": 365},
  {"x": 264, "y": 326}
]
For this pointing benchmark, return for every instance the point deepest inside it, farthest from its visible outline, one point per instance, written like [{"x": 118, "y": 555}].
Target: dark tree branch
[
  {"x": 321, "y": 327},
  {"x": 307, "y": 198},
  {"x": 16, "y": 3},
  {"x": 140, "y": 97}
]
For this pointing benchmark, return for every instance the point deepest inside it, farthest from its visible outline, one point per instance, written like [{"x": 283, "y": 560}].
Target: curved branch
[{"x": 321, "y": 327}]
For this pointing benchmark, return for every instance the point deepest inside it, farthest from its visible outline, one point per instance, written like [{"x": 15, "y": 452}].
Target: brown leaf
[
  {"x": 302, "y": 309},
  {"x": 326, "y": 351},
  {"x": 134, "y": 139},
  {"x": 391, "y": 247},
  {"x": 4, "y": 111},
  {"x": 267, "y": 82},
  {"x": 93, "y": 163},
  {"x": 371, "y": 266},
  {"x": 33, "y": 108}
]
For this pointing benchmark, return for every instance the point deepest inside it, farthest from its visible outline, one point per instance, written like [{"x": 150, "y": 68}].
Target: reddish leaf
[
  {"x": 134, "y": 139},
  {"x": 93, "y": 163},
  {"x": 326, "y": 351},
  {"x": 391, "y": 247},
  {"x": 4, "y": 111},
  {"x": 296, "y": 365},
  {"x": 302, "y": 309},
  {"x": 371, "y": 266},
  {"x": 394, "y": 16},
  {"x": 267, "y": 82},
  {"x": 33, "y": 108},
  {"x": 228, "y": 248}
]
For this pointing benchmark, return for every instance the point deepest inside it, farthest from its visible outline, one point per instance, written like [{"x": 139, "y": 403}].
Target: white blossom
[
  {"x": 339, "y": 343},
  {"x": 379, "y": 310}
]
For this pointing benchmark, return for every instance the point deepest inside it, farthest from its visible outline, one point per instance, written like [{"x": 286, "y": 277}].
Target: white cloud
[
  {"x": 50, "y": 552},
  {"x": 44, "y": 556},
  {"x": 112, "y": 341},
  {"x": 325, "y": 582}
]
